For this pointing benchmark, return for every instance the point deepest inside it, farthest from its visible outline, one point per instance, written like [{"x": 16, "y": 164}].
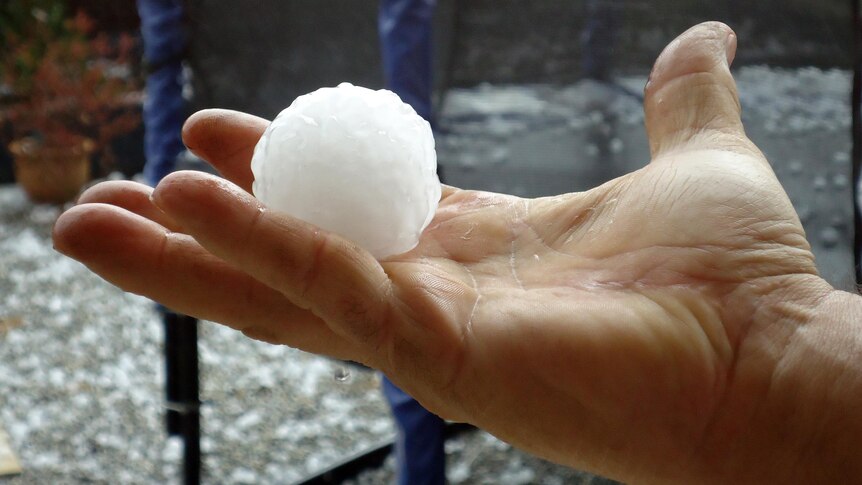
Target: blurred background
[{"x": 529, "y": 98}]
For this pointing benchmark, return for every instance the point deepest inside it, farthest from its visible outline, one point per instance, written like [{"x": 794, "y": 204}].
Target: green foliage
[
  {"x": 28, "y": 27},
  {"x": 68, "y": 82}
]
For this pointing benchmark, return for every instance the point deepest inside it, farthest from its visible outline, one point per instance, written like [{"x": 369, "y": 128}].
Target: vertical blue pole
[
  {"x": 405, "y": 28},
  {"x": 165, "y": 39}
]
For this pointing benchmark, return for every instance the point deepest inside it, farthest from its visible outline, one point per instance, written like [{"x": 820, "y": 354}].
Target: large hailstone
[{"x": 353, "y": 161}]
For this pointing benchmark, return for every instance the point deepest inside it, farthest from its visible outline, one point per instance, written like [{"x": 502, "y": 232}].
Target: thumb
[{"x": 690, "y": 100}]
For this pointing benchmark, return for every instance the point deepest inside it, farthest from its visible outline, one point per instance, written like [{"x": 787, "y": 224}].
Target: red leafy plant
[{"x": 68, "y": 84}]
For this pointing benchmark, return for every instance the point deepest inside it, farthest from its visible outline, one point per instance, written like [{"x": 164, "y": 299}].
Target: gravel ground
[
  {"x": 81, "y": 375},
  {"x": 82, "y": 378}
]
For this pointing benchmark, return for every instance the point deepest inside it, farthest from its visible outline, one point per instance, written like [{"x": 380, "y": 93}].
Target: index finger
[
  {"x": 319, "y": 271},
  {"x": 226, "y": 139}
]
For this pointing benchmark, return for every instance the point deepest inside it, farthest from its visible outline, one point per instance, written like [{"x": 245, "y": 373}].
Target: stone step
[{"x": 9, "y": 464}]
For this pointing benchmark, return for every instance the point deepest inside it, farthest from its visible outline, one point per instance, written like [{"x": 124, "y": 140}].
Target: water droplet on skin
[
  {"x": 342, "y": 373},
  {"x": 466, "y": 235}
]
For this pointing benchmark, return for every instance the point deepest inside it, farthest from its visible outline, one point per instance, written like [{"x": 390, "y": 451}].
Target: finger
[
  {"x": 226, "y": 139},
  {"x": 317, "y": 270},
  {"x": 142, "y": 257},
  {"x": 691, "y": 100},
  {"x": 133, "y": 197}
]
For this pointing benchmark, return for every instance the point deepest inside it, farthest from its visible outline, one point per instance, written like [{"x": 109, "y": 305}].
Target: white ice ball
[{"x": 354, "y": 161}]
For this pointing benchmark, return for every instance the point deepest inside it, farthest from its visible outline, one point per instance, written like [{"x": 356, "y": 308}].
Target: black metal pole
[
  {"x": 192, "y": 448},
  {"x": 856, "y": 159},
  {"x": 182, "y": 390},
  {"x": 172, "y": 416}
]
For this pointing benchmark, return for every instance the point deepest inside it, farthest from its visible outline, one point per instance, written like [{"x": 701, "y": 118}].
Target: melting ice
[{"x": 353, "y": 161}]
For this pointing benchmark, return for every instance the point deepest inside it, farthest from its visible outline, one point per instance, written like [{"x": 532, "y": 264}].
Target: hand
[{"x": 640, "y": 329}]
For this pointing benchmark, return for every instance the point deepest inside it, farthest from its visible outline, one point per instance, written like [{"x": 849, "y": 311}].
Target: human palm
[
  {"x": 607, "y": 329},
  {"x": 613, "y": 301}
]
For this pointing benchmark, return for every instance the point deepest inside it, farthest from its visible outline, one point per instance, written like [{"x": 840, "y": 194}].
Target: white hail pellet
[{"x": 354, "y": 161}]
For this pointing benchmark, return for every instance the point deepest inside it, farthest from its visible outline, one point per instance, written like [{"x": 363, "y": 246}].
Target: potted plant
[{"x": 70, "y": 94}]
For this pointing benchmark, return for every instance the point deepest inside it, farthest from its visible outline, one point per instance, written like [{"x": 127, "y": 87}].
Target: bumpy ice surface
[{"x": 353, "y": 161}]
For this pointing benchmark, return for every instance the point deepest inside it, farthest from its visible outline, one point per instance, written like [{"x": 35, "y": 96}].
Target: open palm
[{"x": 611, "y": 329}]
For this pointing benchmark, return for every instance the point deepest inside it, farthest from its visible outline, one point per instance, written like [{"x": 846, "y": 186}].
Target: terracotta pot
[{"x": 51, "y": 174}]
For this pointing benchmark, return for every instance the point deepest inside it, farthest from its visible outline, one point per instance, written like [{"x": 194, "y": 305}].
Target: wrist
[
  {"x": 791, "y": 406},
  {"x": 828, "y": 354}
]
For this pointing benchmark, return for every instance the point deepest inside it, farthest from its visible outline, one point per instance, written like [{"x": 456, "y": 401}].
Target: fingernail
[
  {"x": 193, "y": 151},
  {"x": 730, "y": 48}
]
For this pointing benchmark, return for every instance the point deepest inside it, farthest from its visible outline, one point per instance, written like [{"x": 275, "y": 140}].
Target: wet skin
[{"x": 659, "y": 328}]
